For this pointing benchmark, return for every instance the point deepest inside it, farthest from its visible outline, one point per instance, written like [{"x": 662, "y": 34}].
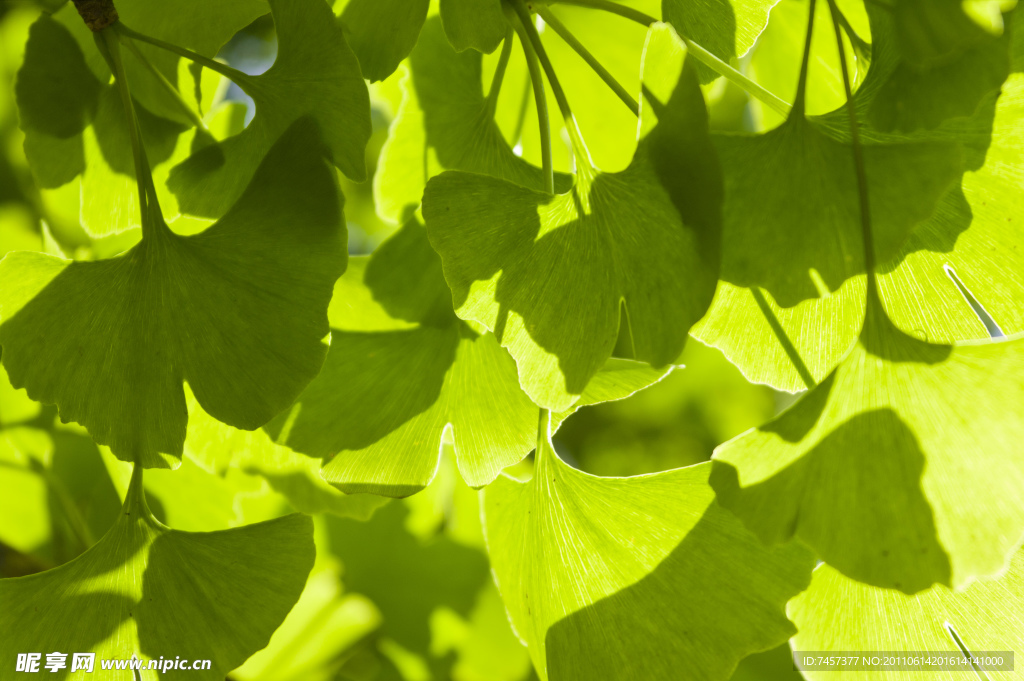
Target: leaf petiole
[
  {"x": 540, "y": 97},
  {"x": 583, "y": 164},
  {"x": 166, "y": 84},
  {"x": 499, "y": 72},
  {"x": 551, "y": 20},
  {"x": 241, "y": 79},
  {"x": 110, "y": 45},
  {"x": 702, "y": 55},
  {"x": 858, "y": 160}
]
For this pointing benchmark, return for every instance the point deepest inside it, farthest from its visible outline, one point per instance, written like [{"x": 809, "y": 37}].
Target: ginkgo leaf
[
  {"x": 726, "y": 28},
  {"x": 479, "y": 24},
  {"x": 219, "y": 447},
  {"x": 945, "y": 65},
  {"x": 238, "y": 311},
  {"x": 75, "y": 126},
  {"x": 870, "y": 468},
  {"x": 403, "y": 368},
  {"x": 839, "y": 614},
  {"x": 634, "y": 578},
  {"x": 315, "y": 74},
  {"x": 801, "y": 290},
  {"x": 444, "y": 122},
  {"x": 382, "y": 32},
  {"x": 549, "y": 274},
  {"x": 965, "y": 246},
  {"x": 792, "y": 248},
  {"x": 145, "y": 590}
]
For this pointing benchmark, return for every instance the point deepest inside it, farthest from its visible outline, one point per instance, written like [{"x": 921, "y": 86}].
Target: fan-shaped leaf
[
  {"x": 549, "y": 274},
  {"x": 315, "y": 74},
  {"x": 238, "y": 311},
  {"x": 872, "y": 466},
  {"x": 839, "y": 614},
  {"x": 633, "y": 578},
  {"x": 145, "y": 590},
  {"x": 403, "y": 368}
]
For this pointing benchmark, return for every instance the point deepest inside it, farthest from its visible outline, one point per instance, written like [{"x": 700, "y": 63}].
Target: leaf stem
[
  {"x": 702, "y": 55},
  {"x": 540, "y": 97},
  {"x": 858, "y": 160},
  {"x": 579, "y": 148},
  {"x": 551, "y": 20},
  {"x": 800, "y": 101},
  {"x": 499, "y": 72},
  {"x": 167, "y": 85},
  {"x": 241, "y": 79},
  {"x": 110, "y": 45},
  {"x": 607, "y": 6},
  {"x": 521, "y": 117}
]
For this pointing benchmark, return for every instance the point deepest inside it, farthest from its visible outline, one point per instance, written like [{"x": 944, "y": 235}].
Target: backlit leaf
[
  {"x": 548, "y": 275},
  {"x": 238, "y": 311},
  {"x": 634, "y": 578},
  {"x": 145, "y": 590},
  {"x": 871, "y": 467}
]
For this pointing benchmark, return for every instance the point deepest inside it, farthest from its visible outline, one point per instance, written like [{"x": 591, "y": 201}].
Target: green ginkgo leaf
[
  {"x": 238, "y": 311},
  {"x": 403, "y": 370},
  {"x": 839, "y": 614},
  {"x": 145, "y": 590},
  {"x": 871, "y": 467},
  {"x": 75, "y": 125},
  {"x": 315, "y": 74},
  {"x": 220, "y": 447},
  {"x": 382, "y": 32},
  {"x": 798, "y": 293},
  {"x": 444, "y": 122},
  {"x": 944, "y": 67},
  {"x": 550, "y": 274},
  {"x": 634, "y": 578},
  {"x": 726, "y": 28},
  {"x": 479, "y": 24}
]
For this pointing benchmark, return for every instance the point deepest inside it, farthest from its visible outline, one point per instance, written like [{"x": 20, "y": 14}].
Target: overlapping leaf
[
  {"x": 315, "y": 74},
  {"x": 947, "y": 64},
  {"x": 382, "y": 32},
  {"x": 726, "y": 28},
  {"x": 634, "y": 578},
  {"x": 403, "y": 368},
  {"x": 549, "y": 274},
  {"x": 479, "y": 24},
  {"x": 839, "y": 614},
  {"x": 801, "y": 308},
  {"x": 73, "y": 119},
  {"x": 872, "y": 467},
  {"x": 444, "y": 122},
  {"x": 145, "y": 590},
  {"x": 238, "y": 311}
]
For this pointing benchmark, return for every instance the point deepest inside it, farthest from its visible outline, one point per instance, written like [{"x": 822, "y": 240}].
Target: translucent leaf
[
  {"x": 726, "y": 28},
  {"x": 479, "y": 24},
  {"x": 238, "y": 311},
  {"x": 74, "y": 125},
  {"x": 315, "y": 75},
  {"x": 146, "y": 589},
  {"x": 946, "y": 66},
  {"x": 633, "y": 578},
  {"x": 837, "y": 613},
  {"x": 871, "y": 467},
  {"x": 220, "y": 447},
  {"x": 382, "y": 32},
  {"x": 403, "y": 368},
  {"x": 443, "y": 123},
  {"x": 518, "y": 261}
]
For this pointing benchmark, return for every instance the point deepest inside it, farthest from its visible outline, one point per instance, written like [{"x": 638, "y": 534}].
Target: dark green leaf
[
  {"x": 382, "y": 32},
  {"x": 238, "y": 311}
]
